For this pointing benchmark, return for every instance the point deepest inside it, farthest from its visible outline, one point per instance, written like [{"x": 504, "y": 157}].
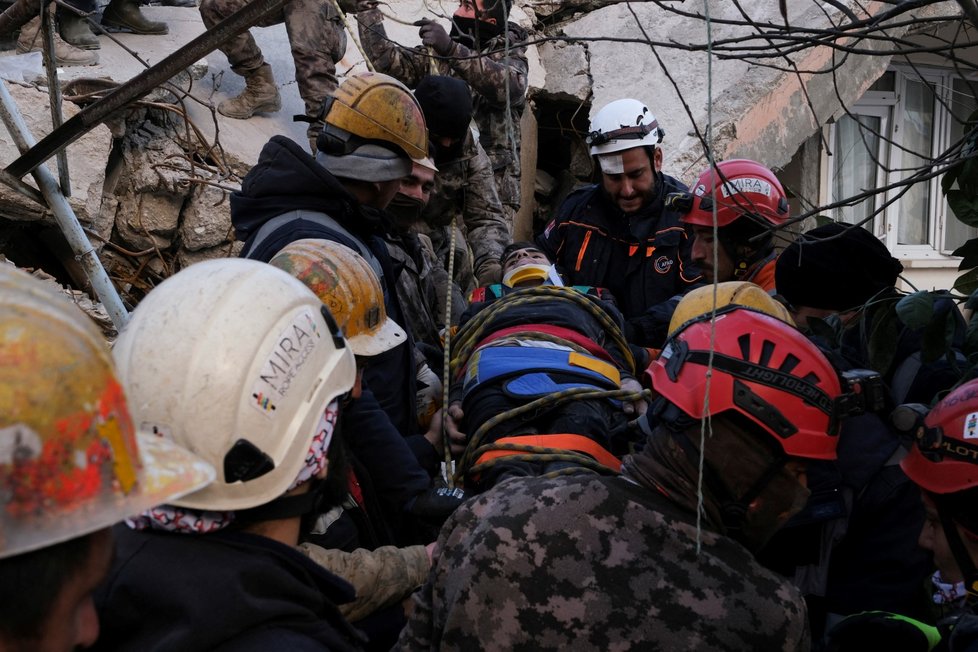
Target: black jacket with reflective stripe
[{"x": 593, "y": 243}]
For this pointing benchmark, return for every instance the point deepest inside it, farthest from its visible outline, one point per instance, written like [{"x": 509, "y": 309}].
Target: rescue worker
[
  {"x": 465, "y": 189},
  {"x": 347, "y": 286},
  {"x": 423, "y": 284},
  {"x": 619, "y": 234},
  {"x": 389, "y": 499},
  {"x": 835, "y": 269},
  {"x": 318, "y": 40},
  {"x": 373, "y": 128},
  {"x": 484, "y": 49},
  {"x": 838, "y": 269},
  {"x": 745, "y": 201},
  {"x": 72, "y": 463},
  {"x": 241, "y": 362},
  {"x": 530, "y": 340},
  {"x": 588, "y": 562},
  {"x": 942, "y": 462},
  {"x": 74, "y": 40},
  {"x": 853, "y": 548}
]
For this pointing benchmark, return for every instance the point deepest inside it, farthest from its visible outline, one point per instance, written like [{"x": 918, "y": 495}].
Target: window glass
[
  {"x": 962, "y": 105},
  {"x": 855, "y": 165},
  {"x": 917, "y": 127}
]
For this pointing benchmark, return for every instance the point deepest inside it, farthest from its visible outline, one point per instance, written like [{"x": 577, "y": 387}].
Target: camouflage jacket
[
  {"x": 499, "y": 82},
  {"x": 462, "y": 272},
  {"x": 380, "y": 577},
  {"x": 595, "y": 563},
  {"x": 418, "y": 283},
  {"x": 465, "y": 190}
]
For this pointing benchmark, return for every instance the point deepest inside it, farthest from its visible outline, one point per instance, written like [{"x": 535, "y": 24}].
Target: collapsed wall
[{"x": 149, "y": 190}]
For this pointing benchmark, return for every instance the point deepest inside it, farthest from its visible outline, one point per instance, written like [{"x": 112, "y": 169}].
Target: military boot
[
  {"x": 259, "y": 96},
  {"x": 65, "y": 54},
  {"x": 75, "y": 30},
  {"x": 125, "y": 16}
]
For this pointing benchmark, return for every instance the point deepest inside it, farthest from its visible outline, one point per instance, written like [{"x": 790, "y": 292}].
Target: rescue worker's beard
[
  {"x": 745, "y": 242},
  {"x": 474, "y": 33},
  {"x": 405, "y": 210}
]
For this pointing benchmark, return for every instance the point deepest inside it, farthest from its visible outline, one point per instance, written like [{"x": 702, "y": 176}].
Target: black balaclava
[
  {"x": 447, "y": 106},
  {"x": 474, "y": 32}
]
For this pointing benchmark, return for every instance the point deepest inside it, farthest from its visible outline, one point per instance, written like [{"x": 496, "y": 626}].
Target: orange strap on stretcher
[{"x": 566, "y": 442}]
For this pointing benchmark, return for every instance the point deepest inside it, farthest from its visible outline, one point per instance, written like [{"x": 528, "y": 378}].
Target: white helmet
[
  {"x": 71, "y": 461},
  {"x": 622, "y": 125},
  {"x": 237, "y": 361}
]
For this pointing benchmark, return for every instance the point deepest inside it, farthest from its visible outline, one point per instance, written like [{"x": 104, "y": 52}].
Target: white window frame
[{"x": 889, "y": 105}]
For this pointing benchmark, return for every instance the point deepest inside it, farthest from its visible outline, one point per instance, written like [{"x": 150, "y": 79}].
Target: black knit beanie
[
  {"x": 835, "y": 267},
  {"x": 446, "y": 103}
]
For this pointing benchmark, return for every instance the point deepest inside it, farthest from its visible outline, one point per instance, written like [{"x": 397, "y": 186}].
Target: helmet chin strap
[
  {"x": 744, "y": 258},
  {"x": 285, "y": 506},
  {"x": 960, "y": 553}
]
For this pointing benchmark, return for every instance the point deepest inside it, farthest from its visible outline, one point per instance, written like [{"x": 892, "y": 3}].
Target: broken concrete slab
[
  {"x": 86, "y": 160},
  {"x": 207, "y": 221},
  {"x": 568, "y": 72}
]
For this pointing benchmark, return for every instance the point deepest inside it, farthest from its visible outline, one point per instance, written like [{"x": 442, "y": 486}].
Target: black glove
[
  {"x": 435, "y": 37},
  {"x": 433, "y": 506}
]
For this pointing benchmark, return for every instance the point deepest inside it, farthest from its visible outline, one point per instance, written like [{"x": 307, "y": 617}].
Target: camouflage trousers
[{"x": 316, "y": 37}]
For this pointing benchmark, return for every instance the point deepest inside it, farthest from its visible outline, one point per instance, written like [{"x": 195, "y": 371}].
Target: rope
[
  {"x": 706, "y": 425},
  {"x": 446, "y": 365},
  {"x": 470, "y": 334},
  {"x": 476, "y": 448}
]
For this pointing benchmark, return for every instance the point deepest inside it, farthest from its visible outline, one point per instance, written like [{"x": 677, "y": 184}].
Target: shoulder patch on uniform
[{"x": 663, "y": 264}]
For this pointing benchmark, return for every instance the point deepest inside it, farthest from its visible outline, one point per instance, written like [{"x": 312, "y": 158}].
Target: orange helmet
[
  {"x": 739, "y": 187},
  {"x": 945, "y": 457},
  {"x": 71, "y": 461},
  {"x": 763, "y": 369}
]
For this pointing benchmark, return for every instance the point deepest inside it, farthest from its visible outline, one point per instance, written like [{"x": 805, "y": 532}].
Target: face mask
[
  {"x": 464, "y": 31},
  {"x": 405, "y": 210},
  {"x": 444, "y": 154}
]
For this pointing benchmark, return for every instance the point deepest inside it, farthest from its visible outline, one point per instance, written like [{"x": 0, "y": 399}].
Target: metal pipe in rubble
[{"x": 63, "y": 214}]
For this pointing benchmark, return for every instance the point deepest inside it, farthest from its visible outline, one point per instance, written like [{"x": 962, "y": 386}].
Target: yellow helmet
[
  {"x": 376, "y": 107},
  {"x": 71, "y": 461},
  {"x": 346, "y": 284},
  {"x": 699, "y": 302}
]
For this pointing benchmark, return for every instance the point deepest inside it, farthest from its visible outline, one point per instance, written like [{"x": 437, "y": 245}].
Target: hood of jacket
[{"x": 286, "y": 178}]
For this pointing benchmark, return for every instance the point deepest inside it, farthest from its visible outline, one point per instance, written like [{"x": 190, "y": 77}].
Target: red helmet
[
  {"x": 764, "y": 370},
  {"x": 945, "y": 457},
  {"x": 748, "y": 188}
]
